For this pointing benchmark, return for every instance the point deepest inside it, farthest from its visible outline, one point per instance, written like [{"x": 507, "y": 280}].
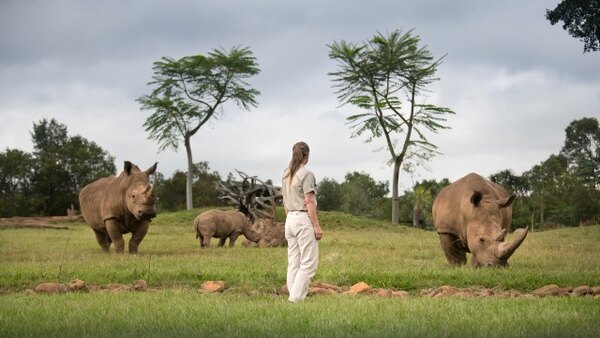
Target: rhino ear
[
  {"x": 127, "y": 167},
  {"x": 503, "y": 203},
  {"x": 151, "y": 170},
  {"x": 476, "y": 198}
]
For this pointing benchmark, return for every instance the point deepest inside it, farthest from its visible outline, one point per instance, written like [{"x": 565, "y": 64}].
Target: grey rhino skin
[
  {"x": 116, "y": 205},
  {"x": 474, "y": 215},
  {"x": 223, "y": 224}
]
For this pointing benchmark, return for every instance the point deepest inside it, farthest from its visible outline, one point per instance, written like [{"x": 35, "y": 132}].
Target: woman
[{"x": 302, "y": 229}]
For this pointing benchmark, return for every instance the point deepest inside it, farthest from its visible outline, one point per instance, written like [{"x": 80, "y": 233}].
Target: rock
[
  {"x": 212, "y": 287},
  {"x": 29, "y": 292},
  {"x": 548, "y": 290},
  {"x": 442, "y": 291},
  {"x": 94, "y": 288},
  {"x": 510, "y": 294},
  {"x": 400, "y": 294},
  {"x": 76, "y": 285},
  {"x": 384, "y": 293},
  {"x": 358, "y": 288},
  {"x": 486, "y": 293},
  {"x": 596, "y": 290},
  {"x": 327, "y": 286},
  {"x": 49, "y": 288},
  {"x": 582, "y": 291},
  {"x": 140, "y": 285},
  {"x": 566, "y": 291},
  {"x": 284, "y": 290},
  {"x": 463, "y": 294},
  {"x": 321, "y": 291},
  {"x": 113, "y": 287}
]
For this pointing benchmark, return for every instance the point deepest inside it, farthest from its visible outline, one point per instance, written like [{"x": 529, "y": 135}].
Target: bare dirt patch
[{"x": 38, "y": 222}]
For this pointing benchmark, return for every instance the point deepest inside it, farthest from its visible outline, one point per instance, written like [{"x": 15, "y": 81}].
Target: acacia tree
[
  {"x": 378, "y": 77},
  {"x": 191, "y": 90}
]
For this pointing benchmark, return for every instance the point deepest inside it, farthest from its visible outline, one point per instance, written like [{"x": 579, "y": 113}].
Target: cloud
[{"x": 514, "y": 80}]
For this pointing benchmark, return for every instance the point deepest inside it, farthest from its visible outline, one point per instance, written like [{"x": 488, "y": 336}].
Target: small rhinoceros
[
  {"x": 224, "y": 224},
  {"x": 474, "y": 215},
  {"x": 113, "y": 206}
]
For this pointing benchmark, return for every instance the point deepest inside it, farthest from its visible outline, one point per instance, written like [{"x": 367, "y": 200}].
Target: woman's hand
[{"x": 318, "y": 232}]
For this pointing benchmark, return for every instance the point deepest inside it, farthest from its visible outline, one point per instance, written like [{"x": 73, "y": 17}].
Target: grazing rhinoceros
[
  {"x": 474, "y": 215},
  {"x": 224, "y": 224},
  {"x": 113, "y": 206}
]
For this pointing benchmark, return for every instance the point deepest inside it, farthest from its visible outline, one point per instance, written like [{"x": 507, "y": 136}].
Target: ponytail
[{"x": 300, "y": 153}]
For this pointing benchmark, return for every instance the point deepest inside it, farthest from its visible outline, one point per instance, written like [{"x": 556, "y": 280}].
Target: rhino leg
[
  {"x": 206, "y": 241},
  {"x": 222, "y": 241},
  {"x": 137, "y": 236},
  {"x": 233, "y": 238},
  {"x": 113, "y": 229},
  {"x": 102, "y": 239},
  {"x": 453, "y": 249},
  {"x": 201, "y": 240}
]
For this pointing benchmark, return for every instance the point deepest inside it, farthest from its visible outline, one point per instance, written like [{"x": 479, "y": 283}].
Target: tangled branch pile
[{"x": 255, "y": 198}]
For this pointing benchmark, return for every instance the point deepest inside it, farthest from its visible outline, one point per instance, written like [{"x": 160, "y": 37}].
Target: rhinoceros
[
  {"x": 116, "y": 205},
  {"x": 224, "y": 224},
  {"x": 474, "y": 215}
]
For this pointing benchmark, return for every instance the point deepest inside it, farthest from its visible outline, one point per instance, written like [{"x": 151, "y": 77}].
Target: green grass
[
  {"x": 354, "y": 249},
  {"x": 186, "y": 314}
]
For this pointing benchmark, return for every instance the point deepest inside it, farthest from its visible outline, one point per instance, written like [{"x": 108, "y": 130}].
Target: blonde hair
[{"x": 300, "y": 153}]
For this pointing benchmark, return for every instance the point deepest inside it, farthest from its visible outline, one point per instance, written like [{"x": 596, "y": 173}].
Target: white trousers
[{"x": 303, "y": 254}]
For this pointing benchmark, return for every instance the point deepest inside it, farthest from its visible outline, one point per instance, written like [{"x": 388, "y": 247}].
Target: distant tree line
[
  {"x": 47, "y": 181},
  {"x": 171, "y": 192},
  {"x": 359, "y": 194},
  {"x": 563, "y": 190}
]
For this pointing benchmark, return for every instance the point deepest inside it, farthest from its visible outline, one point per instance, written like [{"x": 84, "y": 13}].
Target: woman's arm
[{"x": 311, "y": 206}]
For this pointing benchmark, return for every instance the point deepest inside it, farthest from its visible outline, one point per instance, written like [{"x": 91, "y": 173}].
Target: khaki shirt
[{"x": 302, "y": 183}]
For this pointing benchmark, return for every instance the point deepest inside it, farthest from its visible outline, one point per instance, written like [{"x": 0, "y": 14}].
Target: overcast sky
[{"x": 514, "y": 81}]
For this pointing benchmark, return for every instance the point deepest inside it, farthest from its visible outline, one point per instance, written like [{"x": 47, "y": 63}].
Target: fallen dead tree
[{"x": 258, "y": 199}]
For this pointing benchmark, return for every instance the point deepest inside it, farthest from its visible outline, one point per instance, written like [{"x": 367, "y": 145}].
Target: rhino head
[
  {"x": 252, "y": 228},
  {"x": 140, "y": 195},
  {"x": 487, "y": 229}
]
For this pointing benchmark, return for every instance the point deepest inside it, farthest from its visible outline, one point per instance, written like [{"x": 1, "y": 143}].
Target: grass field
[{"x": 354, "y": 249}]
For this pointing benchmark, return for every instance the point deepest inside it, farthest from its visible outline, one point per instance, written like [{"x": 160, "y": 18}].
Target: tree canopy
[
  {"x": 47, "y": 182},
  {"x": 359, "y": 194},
  {"x": 378, "y": 77},
  {"x": 581, "y": 18},
  {"x": 189, "y": 91}
]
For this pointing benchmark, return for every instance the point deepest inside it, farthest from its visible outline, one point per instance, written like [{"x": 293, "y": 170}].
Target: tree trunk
[
  {"x": 190, "y": 172},
  {"x": 395, "y": 200},
  {"x": 417, "y": 215}
]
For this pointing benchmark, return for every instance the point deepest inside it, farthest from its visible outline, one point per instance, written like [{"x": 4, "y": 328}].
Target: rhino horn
[{"x": 505, "y": 250}]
